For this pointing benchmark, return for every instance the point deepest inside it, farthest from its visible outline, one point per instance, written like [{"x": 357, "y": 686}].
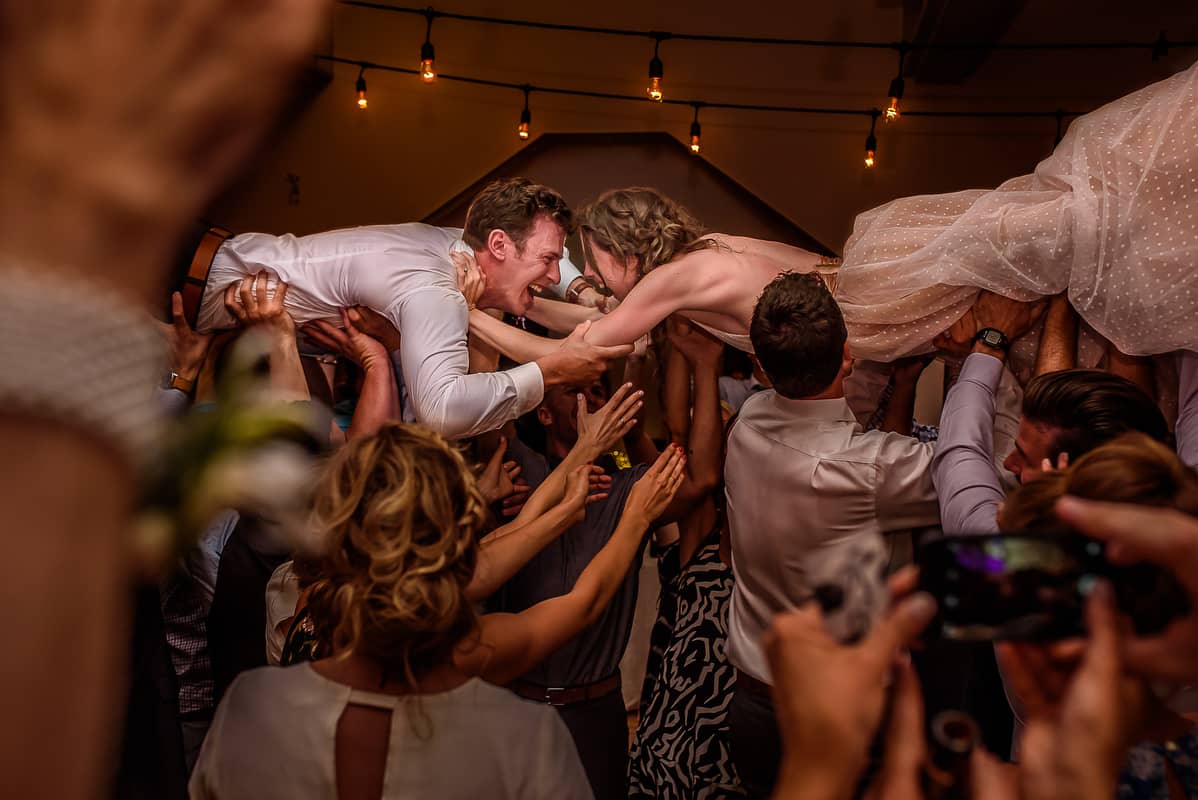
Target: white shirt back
[
  {"x": 405, "y": 273},
  {"x": 809, "y": 497},
  {"x": 274, "y": 737}
]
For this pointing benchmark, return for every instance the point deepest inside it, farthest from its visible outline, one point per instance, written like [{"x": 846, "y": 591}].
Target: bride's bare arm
[
  {"x": 514, "y": 343},
  {"x": 699, "y": 281},
  {"x": 561, "y": 317}
]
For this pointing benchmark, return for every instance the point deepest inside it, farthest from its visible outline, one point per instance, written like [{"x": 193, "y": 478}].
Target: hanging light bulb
[
  {"x": 525, "y": 119},
  {"x": 656, "y": 70},
  {"x": 428, "y": 57},
  {"x": 871, "y": 141},
  {"x": 896, "y": 89},
  {"x": 360, "y": 86},
  {"x": 696, "y": 132}
]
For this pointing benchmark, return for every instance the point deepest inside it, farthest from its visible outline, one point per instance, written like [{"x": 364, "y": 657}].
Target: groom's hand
[{"x": 576, "y": 361}]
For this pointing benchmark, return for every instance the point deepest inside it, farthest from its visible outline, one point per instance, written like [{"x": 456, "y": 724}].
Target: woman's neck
[{"x": 361, "y": 672}]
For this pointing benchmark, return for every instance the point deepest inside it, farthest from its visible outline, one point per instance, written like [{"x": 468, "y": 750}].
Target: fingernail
[{"x": 922, "y": 605}]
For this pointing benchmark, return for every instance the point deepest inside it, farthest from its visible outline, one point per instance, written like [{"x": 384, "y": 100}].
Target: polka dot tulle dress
[{"x": 1111, "y": 216}]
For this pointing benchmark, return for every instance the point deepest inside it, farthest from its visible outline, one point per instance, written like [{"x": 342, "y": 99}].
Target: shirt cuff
[
  {"x": 984, "y": 369},
  {"x": 530, "y": 386},
  {"x": 568, "y": 272}
]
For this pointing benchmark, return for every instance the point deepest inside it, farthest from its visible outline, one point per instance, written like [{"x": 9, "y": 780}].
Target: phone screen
[{"x": 1011, "y": 586}]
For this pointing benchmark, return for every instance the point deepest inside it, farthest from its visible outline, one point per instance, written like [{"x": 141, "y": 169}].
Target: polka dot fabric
[{"x": 1111, "y": 216}]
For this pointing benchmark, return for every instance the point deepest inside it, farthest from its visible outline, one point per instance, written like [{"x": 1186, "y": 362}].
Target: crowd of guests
[
  {"x": 455, "y": 626},
  {"x": 459, "y": 629}
]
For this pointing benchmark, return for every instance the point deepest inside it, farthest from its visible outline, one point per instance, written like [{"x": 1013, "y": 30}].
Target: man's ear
[
  {"x": 498, "y": 244},
  {"x": 544, "y": 416},
  {"x": 846, "y": 364}
]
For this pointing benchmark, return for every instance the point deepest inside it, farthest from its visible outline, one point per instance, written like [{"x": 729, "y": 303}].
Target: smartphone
[{"x": 1034, "y": 584}]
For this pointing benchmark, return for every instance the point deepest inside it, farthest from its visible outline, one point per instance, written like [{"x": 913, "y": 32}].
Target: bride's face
[{"x": 617, "y": 276}]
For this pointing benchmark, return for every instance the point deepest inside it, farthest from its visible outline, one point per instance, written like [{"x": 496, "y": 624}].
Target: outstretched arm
[
  {"x": 511, "y": 644},
  {"x": 559, "y": 316}
]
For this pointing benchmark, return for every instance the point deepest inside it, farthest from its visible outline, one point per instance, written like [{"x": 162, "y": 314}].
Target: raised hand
[
  {"x": 495, "y": 480},
  {"x": 144, "y": 111},
  {"x": 576, "y": 362},
  {"x": 830, "y": 696},
  {"x": 1163, "y": 537},
  {"x": 249, "y": 302},
  {"x": 656, "y": 488},
  {"x": 1012, "y": 317},
  {"x": 376, "y": 326},
  {"x": 599, "y": 432},
  {"x": 363, "y": 350},
  {"x": 696, "y": 345},
  {"x": 471, "y": 280},
  {"x": 188, "y": 349}
]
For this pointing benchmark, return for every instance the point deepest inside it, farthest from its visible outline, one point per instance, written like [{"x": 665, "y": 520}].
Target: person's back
[
  {"x": 809, "y": 498},
  {"x": 276, "y": 736}
]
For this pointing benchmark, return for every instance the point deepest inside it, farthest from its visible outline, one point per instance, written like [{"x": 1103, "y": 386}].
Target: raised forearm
[
  {"x": 550, "y": 492},
  {"x": 1058, "y": 342},
  {"x": 1137, "y": 369},
  {"x": 677, "y": 396},
  {"x": 900, "y": 409},
  {"x": 378, "y": 402},
  {"x": 504, "y": 551},
  {"x": 561, "y": 317},
  {"x": 704, "y": 465},
  {"x": 598, "y": 582},
  {"x": 287, "y": 377},
  {"x": 514, "y": 343}
]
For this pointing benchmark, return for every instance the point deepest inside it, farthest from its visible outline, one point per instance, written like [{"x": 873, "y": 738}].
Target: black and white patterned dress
[{"x": 681, "y": 749}]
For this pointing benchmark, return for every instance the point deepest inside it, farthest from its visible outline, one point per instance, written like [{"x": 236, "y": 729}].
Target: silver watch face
[{"x": 993, "y": 339}]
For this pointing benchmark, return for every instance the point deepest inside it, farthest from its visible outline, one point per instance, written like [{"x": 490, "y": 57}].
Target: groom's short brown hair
[{"x": 512, "y": 205}]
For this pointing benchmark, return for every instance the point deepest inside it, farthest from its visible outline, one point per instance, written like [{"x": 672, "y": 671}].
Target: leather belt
[
  {"x": 197, "y": 274},
  {"x": 752, "y": 685},
  {"x": 565, "y": 695}
]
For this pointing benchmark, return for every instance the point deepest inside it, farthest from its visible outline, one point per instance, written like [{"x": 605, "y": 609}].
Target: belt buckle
[{"x": 551, "y": 691}]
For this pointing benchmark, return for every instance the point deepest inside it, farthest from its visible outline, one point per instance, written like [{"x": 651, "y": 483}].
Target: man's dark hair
[
  {"x": 512, "y": 205},
  {"x": 1090, "y": 407},
  {"x": 798, "y": 334}
]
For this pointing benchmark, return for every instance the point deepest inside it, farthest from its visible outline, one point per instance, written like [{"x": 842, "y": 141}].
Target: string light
[
  {"x": 896, "y": 89},
  {"x": 871, "y": 141},
  {"x": 525, "y": 118},
  {"x": 821, "y": 110},
  {"x": 360, "y": 86},
  {"x": 428, "y": 57},
  {"x": 656, "y": 70},
  {"x": 696, "y": 131}
]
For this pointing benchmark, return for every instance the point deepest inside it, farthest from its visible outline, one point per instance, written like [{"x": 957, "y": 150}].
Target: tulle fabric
[{"x": 1111, "y": 216}]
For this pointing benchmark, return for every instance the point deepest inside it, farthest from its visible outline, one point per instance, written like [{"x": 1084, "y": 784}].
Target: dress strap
[{"x": 387, "y": 702}]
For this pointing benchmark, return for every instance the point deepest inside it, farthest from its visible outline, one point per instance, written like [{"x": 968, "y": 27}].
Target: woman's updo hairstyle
[
  {"x": 399, "y": 513},
  {"x": 643, "y": 224}
]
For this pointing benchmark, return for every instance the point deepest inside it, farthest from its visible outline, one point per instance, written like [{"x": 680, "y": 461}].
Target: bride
[
  {"x": 654, "y": 257},
  {"x": 1111, "y": 217}
]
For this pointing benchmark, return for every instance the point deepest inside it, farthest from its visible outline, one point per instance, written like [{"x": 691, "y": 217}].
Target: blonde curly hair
[
  {"x": 644, "y": 224},
  {"x": 400, "y": 514}
]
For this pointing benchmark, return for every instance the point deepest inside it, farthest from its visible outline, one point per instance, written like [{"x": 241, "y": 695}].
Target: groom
[{"x": 517, "y": 230}]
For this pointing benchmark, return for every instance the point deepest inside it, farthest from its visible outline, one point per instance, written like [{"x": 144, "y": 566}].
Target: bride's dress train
[{"x": 1111, "y": 216}]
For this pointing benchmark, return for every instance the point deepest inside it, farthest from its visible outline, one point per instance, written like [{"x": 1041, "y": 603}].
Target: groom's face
[{"x": 518, "y": 268}]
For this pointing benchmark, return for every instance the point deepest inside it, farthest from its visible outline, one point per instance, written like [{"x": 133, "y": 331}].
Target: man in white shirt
[
  {"x": 517, "y": 230},
  {"x": 810, "y": 496}
]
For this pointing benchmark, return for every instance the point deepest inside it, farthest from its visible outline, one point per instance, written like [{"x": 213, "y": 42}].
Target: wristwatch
[
  {"x": 993, "y": 338},
  {"x": 582, "y": 282},
  {"x": 177, "y": 381}
]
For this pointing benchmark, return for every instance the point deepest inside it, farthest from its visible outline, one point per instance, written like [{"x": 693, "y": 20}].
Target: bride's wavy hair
[
  {"x": 644, "y": 224},
  {"x": 399, "y": 513}
]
